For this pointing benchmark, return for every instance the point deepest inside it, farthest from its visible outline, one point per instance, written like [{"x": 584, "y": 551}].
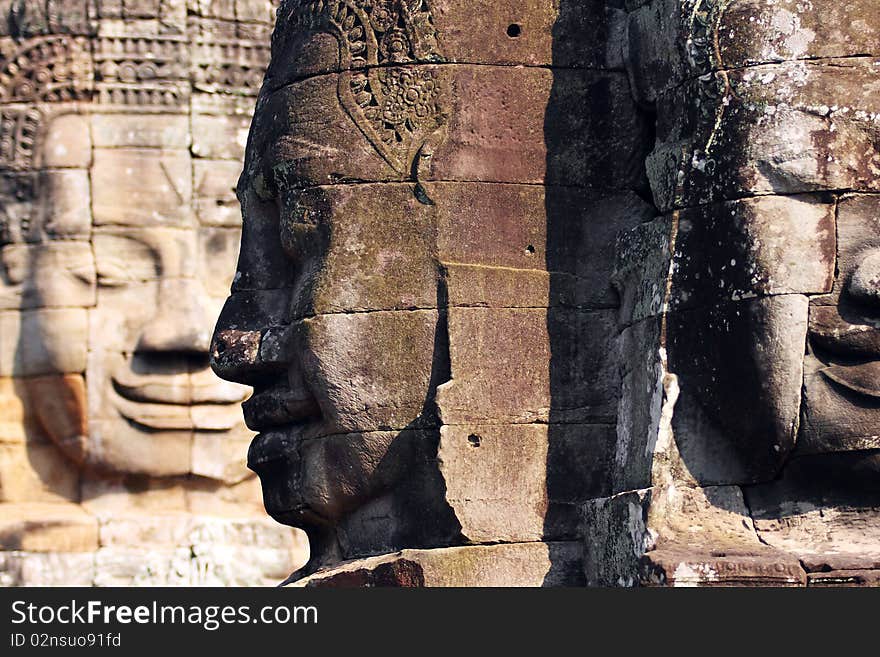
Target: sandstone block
[
  {"x": 519, "y": 33},
  {"x": 48, "y": 568},
  {"x": 144, "y": 530},
  {"x": 470, "y": 135},
  {"x": 44, "y": 341},
  {"x": 494, "y": 379},
  {"x": 67, "y": 142},
  {"x": 518, "y": 564},
  {"x": 141, "y": 187},
  {"x": 116, "y": 445},
  {"x": 221, "y": 456},
  {"x": 35, "y": 527},
  {"x": 732, "y": 356},
  {"x": 214, "y": 192},
  {"x": 65, "y": 210},
  {"x": 48, "y": 275},
  {"x": 37, "y": 473},
  {"x": 117, "y": 566},
  {"x": 770, "y": 132},
  {"x": 168, "y": 131},
  {"x": 522, "y": 482},
  {"x": 219, "y": 137}
]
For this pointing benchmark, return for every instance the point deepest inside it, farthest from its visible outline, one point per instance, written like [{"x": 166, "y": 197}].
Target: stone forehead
[{"x": 155, "y": 61}]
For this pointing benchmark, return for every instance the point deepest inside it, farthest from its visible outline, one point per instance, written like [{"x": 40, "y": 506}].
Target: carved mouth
[
  {"x": 848, "y": 346},
  {"x": 279, "y": 406},
  {"x": 180, "y": 401},
  {"x": 863, "y": 378},
  {"x": 280, "y": 444}
]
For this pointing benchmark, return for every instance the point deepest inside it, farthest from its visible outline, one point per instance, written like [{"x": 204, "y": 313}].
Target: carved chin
[{"x": 59, "y": 404}]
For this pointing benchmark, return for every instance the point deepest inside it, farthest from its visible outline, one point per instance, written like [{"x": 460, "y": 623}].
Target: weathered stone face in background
[
  {"x": 764, "y": 170},
  {"x": 121, "y": 134},
  {"x": 423, "y": 303}
]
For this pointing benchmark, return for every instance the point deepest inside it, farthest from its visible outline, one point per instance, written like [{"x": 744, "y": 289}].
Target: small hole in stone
[
  {"x": 530, "y": 249},
  {"x": 474, "y": 440},
  {"x": 221, "y": 347},
  {"x": 513, "y": 30}
]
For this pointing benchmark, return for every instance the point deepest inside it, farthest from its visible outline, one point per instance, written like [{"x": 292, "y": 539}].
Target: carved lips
[
  {"x": 848, "y": 347},
  {"x": 176, "y": 401}
]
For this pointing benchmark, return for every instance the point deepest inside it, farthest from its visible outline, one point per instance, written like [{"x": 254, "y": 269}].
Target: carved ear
[{"x": 421, "y": 163}]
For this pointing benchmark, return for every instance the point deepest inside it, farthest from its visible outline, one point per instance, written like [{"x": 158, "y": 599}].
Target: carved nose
[
  {"x": 235, "y": 354},
  {"x": 181, "y": 323},
  {"x": 864, "y": 286},
  {"x": 246, "y": 356}
]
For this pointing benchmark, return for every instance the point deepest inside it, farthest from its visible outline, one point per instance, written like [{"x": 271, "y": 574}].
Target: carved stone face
[
  {"x": 423, "y": 276},
  {"x": 333, "y": 317},
  {"x": 150, "y": 279},
  {"x": 119, "y": 232},
  {"x": 841, "y": 410},
  {"x": 750, "y": 307}
]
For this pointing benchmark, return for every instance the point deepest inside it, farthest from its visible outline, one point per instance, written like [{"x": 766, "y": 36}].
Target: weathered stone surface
[
  {"x": 59, "y": 274},
  {"x": 681, "y": 536},
  {"x": 57, "y": 405},
  {"x": 64, "y": 209},
  {"x": 355, "y": 258},
  {"x": 35, "y": 527},
  {"x": 521, "y": 230},
  {"x": 426, "y": 258},
  {"x": 139, "y": 131},
  {"x": 481, "y": 142},
  {"x": 214, "y": 192},
  {"x": 823, "y": 509},
  {"x": 647, "y": 392},
  {"x": 424, "y": 301},
  {"x": 768, "y": 129},
  {"x": 840, "y": 408},
  {"x": 685, "y": 568},
  {"x": 36, "y": 473},
  {"x": 525, "y": 564},
  {"x": 355, "y": 394},
  {"x": 222, "y": 457},
  {"x": 670, "y": 41},
  {"x": 522, "y": 482},
  {"x": 496, "y": 379},
  {"x": 68, "y": 143},
  {"x": 117, "y": 246},
  {"x": 141, "y": 187},
  {"x": 43, "y": 341},
  {"x": 13, "y": 427},
  {"x": 848, "y": 578},
  {"x": 47, "y": 568},
  {"x": 219, "y": 136},
  {"x": 134, "y": 567},
  {"x": 728, "y": 357},
  {"x": 738, "y": 250},
  {"x": 522, "y": 32},
  {"x": 765, "y": 122}
]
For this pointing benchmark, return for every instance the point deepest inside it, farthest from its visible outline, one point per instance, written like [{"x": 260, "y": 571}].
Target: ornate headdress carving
[{"x": 397, "y": 108}]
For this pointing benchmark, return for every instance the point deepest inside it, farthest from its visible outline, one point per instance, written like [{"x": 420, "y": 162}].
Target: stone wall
[{"x": 122, "y": 458}]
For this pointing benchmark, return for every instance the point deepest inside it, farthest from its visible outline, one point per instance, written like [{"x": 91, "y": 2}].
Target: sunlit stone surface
[{"x": 122, "y": 457}]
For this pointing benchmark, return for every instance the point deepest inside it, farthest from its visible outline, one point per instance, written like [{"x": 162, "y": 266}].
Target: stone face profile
[
  {"x": 456, "y": 381},
  {"x": 121, "y": 132},
  {"x": 423, "y": 306}
]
